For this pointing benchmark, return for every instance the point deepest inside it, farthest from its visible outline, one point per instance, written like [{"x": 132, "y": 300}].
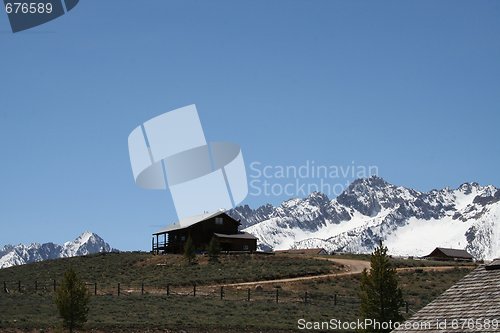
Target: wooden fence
[{"x": 269, "y": 293}]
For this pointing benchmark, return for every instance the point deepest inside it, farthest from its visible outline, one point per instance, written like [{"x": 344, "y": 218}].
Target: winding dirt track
[{"x": 351, "y": 267}]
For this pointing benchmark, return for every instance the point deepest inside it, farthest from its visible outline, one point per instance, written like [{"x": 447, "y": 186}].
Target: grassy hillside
[
  {"x": 137, "y": 268},
  {"x": 205, "y": 311}
]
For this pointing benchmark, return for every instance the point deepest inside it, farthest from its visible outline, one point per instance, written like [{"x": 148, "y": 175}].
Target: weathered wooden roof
[
  {"x": 476, "y": 298},
  {"x": 312, "y": 251},
  {"x": 453, "y": 253}
]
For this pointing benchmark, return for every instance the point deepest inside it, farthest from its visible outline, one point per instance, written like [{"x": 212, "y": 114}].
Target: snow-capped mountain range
[
  {"x": 86, "y": 243},
  {"x": 410, "y": 223}
]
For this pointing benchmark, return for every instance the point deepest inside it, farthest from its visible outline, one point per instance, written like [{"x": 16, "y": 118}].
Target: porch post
[{"x": 157, "y": 245}]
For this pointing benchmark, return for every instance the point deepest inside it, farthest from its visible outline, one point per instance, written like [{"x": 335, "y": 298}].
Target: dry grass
[{"x": 206, "y": 312}]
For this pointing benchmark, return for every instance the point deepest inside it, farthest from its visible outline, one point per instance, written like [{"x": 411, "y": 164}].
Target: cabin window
[
  {"x": 183, "y": 238},
  {"x": 219, "y": 220},
  {"x": 245, "y": 247}
]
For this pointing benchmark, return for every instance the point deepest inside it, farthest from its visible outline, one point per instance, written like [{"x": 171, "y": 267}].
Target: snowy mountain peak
[
  {"x": 373, "y": 182},
  {"x": 371, "y": 195},
  {"x": 86, "y": 243},
  {"x": 410, "y": 222},
  {"x": 249, "y": 216},
  {"x": 85, "y": 236},
  {"x": 466, "y": 188},
  {"x": 317, "y": 198}
]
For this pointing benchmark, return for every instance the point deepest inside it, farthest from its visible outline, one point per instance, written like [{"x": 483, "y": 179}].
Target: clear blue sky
[{"x": 412, "y": 87}]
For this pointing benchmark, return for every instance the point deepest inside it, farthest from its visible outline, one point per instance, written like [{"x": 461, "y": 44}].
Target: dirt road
[{"x": 350, "y": 267}]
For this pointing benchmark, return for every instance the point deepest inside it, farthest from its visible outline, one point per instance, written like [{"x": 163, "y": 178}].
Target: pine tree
[
  {"x": 72, "y": 299},
  {"x": 381, "y": 298},
  {"x": 213, "y": 250},
  {"x": 189, "y": 250}
]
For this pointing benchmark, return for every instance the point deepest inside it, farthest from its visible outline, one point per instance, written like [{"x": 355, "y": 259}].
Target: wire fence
[{"x": 266, "y": 293}]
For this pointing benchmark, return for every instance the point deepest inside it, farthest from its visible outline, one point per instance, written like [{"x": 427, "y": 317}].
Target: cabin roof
[
  {"x": 475, "y": 297},
  {"x": 454, "y": 253},
  {"x": 242, "y": 235},
  {"x": 189, "y": 221}
]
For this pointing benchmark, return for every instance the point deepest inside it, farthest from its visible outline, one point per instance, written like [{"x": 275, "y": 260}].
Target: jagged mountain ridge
[
  {"x": 410, "y": 222},
  {"x": 86, "y": 243}
]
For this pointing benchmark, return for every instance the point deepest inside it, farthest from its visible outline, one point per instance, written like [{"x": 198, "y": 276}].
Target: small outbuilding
[
  {"x": 444, "y": 254},
  {"x": 310, "y": 252}
]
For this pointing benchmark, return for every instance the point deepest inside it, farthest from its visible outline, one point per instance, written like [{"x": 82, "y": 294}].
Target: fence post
[
  {"x": 194, "y": 289},
  {"x": 36, "y": 285},
  {"x": 95, "y": 288},
  {"x": 248, "y": 295},
  {"x": 221, "y": 292},
  {"x": 118, "y": 288},
  {"x": 54, "y": 284},
  {"x": 407, "y": 307},
  {"x": 305, "y": 298},
  {"x": 5, "y": 286},
  {"x": 168, "y": 289},
  {"x": 142, "y": 288},
  {"x": 19, "y": 286},
  {"x": 277, "y": 295},
  {"x": 335, "y": 299}
]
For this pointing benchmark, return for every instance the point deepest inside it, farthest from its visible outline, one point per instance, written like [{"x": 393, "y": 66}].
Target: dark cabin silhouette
[{"x": 202, "y": 228}]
